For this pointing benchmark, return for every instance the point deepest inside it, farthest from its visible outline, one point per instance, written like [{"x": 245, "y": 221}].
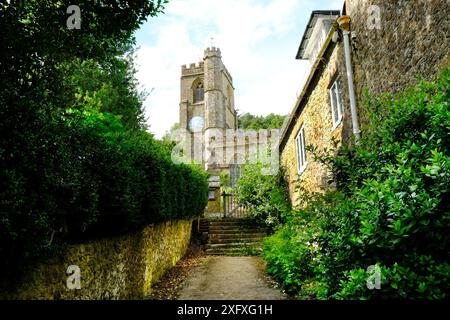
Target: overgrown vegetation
[
  {"x": 264, "y": 195},
  {"x": 76, "y": 162},
  {"x": 390, "y": 209}
]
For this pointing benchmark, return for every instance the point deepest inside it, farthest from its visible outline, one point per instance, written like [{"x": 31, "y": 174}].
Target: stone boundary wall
[{"x": 124, "y": 267}]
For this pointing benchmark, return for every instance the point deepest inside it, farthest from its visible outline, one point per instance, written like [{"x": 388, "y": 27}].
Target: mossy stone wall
[{"x": 117, "y": 268}]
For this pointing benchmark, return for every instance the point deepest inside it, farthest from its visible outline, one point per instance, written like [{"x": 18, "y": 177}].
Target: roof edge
[
  {"x": 305, "y": 87},
  {"x": 310, "y": 25}
]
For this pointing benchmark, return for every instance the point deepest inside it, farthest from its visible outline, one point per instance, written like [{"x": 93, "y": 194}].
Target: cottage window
[
  {"x": 336, "y": 102},
  {"x": 199, "y": 92},
  {"x": 301, "y": 150}
]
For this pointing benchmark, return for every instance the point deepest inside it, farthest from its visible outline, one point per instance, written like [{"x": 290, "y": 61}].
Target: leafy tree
[
  {"x": 169, "y": 137},
  {"x": 249, "y": 121},
  {"x": 112, "y": 84}
]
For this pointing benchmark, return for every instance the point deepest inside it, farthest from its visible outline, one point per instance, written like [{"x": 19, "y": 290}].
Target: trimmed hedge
[
  {"x": 85, "y": 176},
  {"x": 69, "y": 172}
]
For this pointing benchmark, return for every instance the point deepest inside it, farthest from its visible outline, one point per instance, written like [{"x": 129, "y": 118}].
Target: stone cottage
[{"x": 379, "y": 45}]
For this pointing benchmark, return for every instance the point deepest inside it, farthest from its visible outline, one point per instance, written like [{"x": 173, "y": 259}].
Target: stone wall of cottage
[
  {"x": 316, "y": 117},
  {"x": 412, "y": 39}
]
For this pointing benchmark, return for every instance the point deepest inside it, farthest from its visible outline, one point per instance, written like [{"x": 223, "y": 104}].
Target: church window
[{"x": 199, "y": 92}]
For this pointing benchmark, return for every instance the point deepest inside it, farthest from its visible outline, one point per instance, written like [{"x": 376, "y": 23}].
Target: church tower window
[{"x": 199, "y": 92}]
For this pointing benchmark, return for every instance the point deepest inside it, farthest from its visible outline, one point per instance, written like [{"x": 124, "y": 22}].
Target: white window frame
[
  {"x": 337, "y": 109},
  {"x": 300, "y": 148}
]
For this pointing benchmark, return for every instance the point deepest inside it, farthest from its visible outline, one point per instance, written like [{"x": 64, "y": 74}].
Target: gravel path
[{"x": 230, "y": 278}]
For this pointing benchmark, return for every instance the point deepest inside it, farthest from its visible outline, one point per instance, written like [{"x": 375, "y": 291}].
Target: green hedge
[
  {"x": 75, "y": 162},
  {"x": 391, "y": 208},
  {"x": 85, "y": 176}
]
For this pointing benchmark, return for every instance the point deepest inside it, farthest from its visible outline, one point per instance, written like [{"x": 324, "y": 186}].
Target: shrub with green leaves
[
  {"x": 265, "y": 195},
  {"x": 290, "y": 254},
  {"x": 391, "y": 207}
]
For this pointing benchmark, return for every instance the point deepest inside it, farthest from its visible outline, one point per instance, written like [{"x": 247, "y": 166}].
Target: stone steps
[
  {"x": 227, "y": 227},
  {"x": 232, "y": 237},
  {"x": 231, "y": 232},
  {"x": 226, "y": 222},
  {"x": 238, "y": 222},
  {"x": 225, "y": 236},
  {"x": 229, "y": 245},
  {"x": 204, "y": 226},
  {"x": 219, "y": 230},
  {"x": 234, "y": 240}
]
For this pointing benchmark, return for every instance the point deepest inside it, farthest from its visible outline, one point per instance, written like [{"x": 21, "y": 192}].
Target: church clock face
[{"x": 196, "y": 124}]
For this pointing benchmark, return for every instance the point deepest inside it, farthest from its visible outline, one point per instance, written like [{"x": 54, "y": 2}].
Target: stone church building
[
  {"x": 209, "y": 129},
  {"x": 206, "y": 104},
  {"x": 206, "y": 112}
]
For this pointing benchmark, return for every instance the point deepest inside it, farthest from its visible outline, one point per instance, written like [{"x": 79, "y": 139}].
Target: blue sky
[{"x": 258, "y": 39}]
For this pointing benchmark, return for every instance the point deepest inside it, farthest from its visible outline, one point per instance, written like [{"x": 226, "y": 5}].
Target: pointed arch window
[{"x": 199, "y": 92}]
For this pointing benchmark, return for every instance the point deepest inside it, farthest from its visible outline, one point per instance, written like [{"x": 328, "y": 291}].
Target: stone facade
[
  {"x": 316, "y": 118},
  {"x": 412, "y": 40},
  {"x": 119, "y": 268},
  {"x": 213, "y": 207}
]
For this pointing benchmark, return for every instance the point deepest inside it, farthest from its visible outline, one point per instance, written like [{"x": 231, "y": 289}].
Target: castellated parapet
[
  {"x": 212, "y": 52},
  {"x": 193, "y": 68}
]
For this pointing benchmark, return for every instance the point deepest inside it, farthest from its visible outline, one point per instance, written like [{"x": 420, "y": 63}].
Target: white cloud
[{"x": 258, "y": 40}]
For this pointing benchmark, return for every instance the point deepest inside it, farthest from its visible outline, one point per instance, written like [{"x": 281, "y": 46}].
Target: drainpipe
[{"x": 344, "y": 24}]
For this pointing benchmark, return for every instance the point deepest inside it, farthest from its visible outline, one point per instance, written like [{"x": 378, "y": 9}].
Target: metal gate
[{"x": 231, "y": 208}]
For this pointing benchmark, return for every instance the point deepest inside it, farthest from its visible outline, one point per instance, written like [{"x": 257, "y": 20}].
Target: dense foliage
[
  {"x": 249, "y": 121},
  {"x": 110, "y": 83},
  {"x": 264, "y": 195},
  {"x": 75, "y": 159},
  {"x": 390, "y": 212}
]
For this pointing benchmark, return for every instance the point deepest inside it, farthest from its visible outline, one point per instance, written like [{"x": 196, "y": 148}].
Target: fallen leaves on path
[{"x": 169, "y": 285}]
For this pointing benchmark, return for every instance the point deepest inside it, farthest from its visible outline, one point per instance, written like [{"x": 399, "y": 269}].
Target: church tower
[{"x": 207, "y": 106}]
